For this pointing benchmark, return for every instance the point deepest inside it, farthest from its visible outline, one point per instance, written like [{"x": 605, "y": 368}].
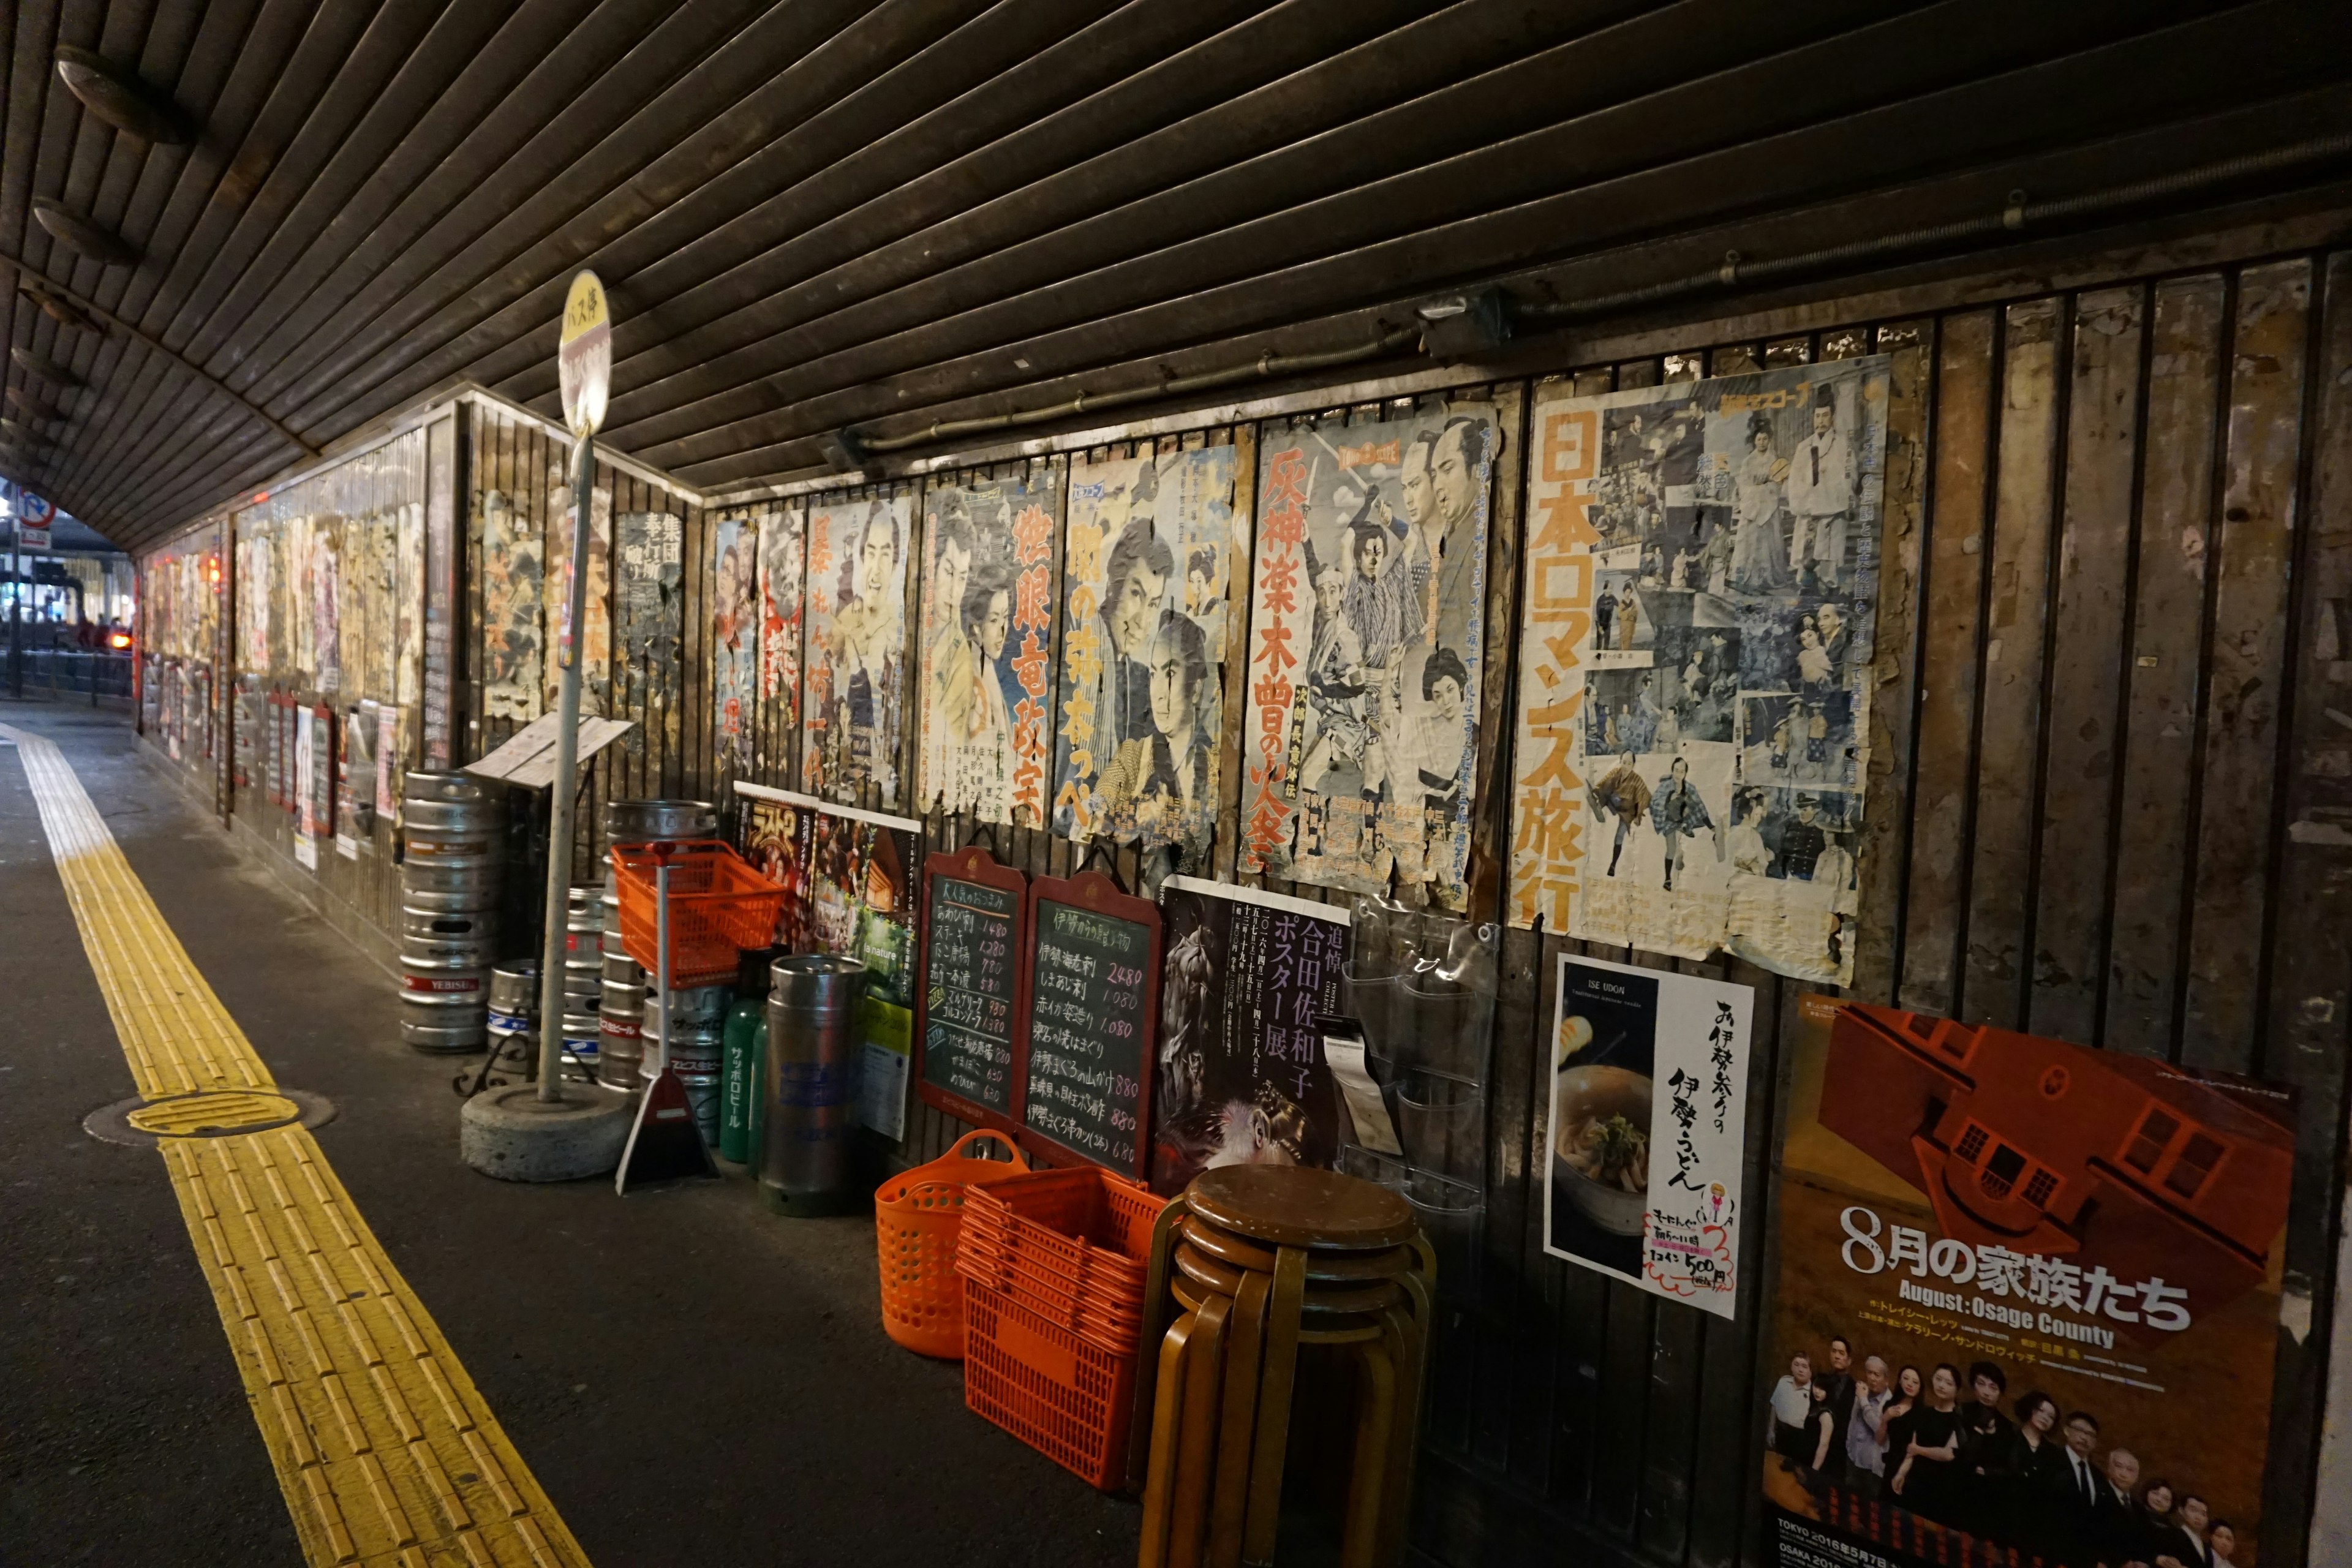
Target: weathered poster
[
  {"x": 513, "y": 585},
  {"x": 1367, "y": 619},
  {"x": 650, "y": 605},
  {"x": 855, "y": 677},
  {"x": 308, "y": 815},
  {"x": 326, "y": 605},
  {"x": 735, "y": 636},
  {"x": 987, "y": 629},
  {"x": 1240, "y": 1077},
  {"x": 781, "y": 590},
  {"x": 1648, "y": 1117},
  {"x": 254, "y": 560},
  {"x": 408, "y": 604},
  {"x": 1148, "y": 559},
  {"x": 2028, "y": 1301},
  {"x": 1702, "y": 573},
  {"x": 593, "y": 638}
]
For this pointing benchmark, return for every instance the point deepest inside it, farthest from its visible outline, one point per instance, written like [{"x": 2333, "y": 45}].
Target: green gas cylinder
[{"x": 742, "y": 1072}]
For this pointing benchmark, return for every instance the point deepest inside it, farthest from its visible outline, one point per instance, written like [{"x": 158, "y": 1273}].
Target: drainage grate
[{"x": 140, "y": 1123}]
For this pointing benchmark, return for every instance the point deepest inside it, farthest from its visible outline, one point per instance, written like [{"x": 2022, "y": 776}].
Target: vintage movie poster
[
  {"x": 850, "y": 882},
  {"x": 1368, "y": 613},
  {"x": 326, "y": 603},
  {"x": 1648, "y": 1117},
  {"x": 987, "y": 629},
  {"x": 735, "y": 636},
  {"x": 594, "y": 639},
  {"x": 1240, "y": 1076},
  {"x": 513, "y": 584},
  {"x": 648, "y": 611},
  {"x": 780, "y": 588},
  {"x": 1148, "y": 559},
  {"x": 2028, "y": 1301},
  {"x": 254, "y": 560},
  {"x": 1702, "y": 583},
  {"x": 854, "y": 670},
  {"x": 408, "y": 605}
]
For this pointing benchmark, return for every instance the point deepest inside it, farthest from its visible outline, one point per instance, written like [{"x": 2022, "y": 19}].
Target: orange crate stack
[
  {"x": 1054, "y": 1264},
  {"x": 719, "y": 906}
]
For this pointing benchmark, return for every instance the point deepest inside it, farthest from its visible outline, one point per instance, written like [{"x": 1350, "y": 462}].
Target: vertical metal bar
[{"x": 567, "y": 782}]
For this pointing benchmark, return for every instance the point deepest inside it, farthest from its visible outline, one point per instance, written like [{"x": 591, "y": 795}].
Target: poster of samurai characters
[
  {"x": 1702, "y": 576},
  {"x": 1367, "y": 618},
  {"x": 780, "y": 618},
  {"x": 1240, "y": 1077},
  {"x": 595, "y": 636},
  {"x": 735, "y": 635},
  {"x": 649, "y": 612},
  {"x": 854, "y": 672},
  {"x": 1148, "y": 559},
  {"x": 513, "y": 582},
  {"x": 987, "y": 631}
]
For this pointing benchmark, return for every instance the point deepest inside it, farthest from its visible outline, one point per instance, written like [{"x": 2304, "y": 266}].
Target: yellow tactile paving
[{"x": 384, "y": 1448}]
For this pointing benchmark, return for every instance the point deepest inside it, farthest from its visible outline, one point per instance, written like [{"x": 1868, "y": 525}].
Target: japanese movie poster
[
  {"x": 1147, "y": 562},
  {"x": 326, "y": 603},
  {"x": 650, "y": 610},
  {"x": 1702, "y": 573},
  {"x": 780, "y": 615},
  {"x": 408, "y": 607},
  {"x": 292, "y": 592},
  {"x": 595, "y": 636},
  {"x": 254, "y": 562},
  {"x": 1367, "y": 619},
  {"x": 735, "y": 635},
  {"x": 1240, "y": 1074},
  {"x": 850, "y": 884},
  {"x": 855, "y": 670},
  {"x": 1649, "y": 1096},
  {"x": 2028, "y": 1301},
  {"x": 513, "y": 584},
  {"x": 988, "y": 627}
]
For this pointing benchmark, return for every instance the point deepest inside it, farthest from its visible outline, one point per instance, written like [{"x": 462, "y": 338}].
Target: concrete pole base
[{"x": 510, "y": 1133}]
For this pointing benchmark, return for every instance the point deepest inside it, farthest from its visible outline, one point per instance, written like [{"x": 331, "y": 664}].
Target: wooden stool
[{"x": 1258, "y": 1260}]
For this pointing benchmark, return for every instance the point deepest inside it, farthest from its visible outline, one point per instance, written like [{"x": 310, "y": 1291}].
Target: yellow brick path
[{"x": 385, "y": 1450}]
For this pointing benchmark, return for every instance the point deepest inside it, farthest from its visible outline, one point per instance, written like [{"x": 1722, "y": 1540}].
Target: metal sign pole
[{"x": 567, "y": 779}]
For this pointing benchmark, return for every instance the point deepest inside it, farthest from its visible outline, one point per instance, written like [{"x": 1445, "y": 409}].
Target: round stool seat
[
  {"x": 1320, "y": 1265},
  {"x": 1365, "y": 1296},
  {"x": 1295, "y": 1206}
]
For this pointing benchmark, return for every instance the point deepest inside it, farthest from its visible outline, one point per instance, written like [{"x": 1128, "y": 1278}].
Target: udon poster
[
  {"x": 1649, "y": 1094},
  {"x": 1148, "y": 563},
  {"x": 855, "y": 673},
  {"x": 1241, "y": 1076},
  {"x": 1696, "y": 658},
  {"x": 2026, "y": 1306},
  {"x": 1366, "y": 622}
]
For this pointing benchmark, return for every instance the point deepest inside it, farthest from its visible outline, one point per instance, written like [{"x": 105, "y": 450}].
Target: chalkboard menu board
[
  {"x": 975, "y": 916},
  {"x": 1091, "y": 975}
]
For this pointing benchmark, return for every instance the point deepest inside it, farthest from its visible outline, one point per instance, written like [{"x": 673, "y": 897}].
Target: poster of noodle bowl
[{"x": 1649, "y": 1093}]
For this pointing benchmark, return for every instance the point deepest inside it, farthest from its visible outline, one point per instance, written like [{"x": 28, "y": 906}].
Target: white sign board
[{"x": 583, "y": 360}]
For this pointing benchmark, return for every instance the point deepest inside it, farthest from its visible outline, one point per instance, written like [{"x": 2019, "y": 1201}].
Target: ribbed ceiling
[{"x": 831, "y": 213}]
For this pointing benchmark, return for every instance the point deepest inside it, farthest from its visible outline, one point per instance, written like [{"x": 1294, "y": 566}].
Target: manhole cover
[{"x": 140, "y": 1123}]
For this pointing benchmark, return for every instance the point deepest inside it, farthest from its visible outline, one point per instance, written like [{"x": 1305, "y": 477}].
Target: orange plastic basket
[
  {"x": 718, "y": 905},
  {"x": 1072, "y": 1247},
  {"x": 917, "y": 1219},
  {"x": 1069, "y": 1400}
]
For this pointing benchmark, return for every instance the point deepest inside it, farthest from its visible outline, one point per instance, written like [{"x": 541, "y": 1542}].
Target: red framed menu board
[
  {"x": 1090, "y": 989},
  {"x": 967, "y": 992}
]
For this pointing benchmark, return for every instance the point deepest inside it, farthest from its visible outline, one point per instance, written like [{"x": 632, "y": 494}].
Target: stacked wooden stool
[{"x": 1253, "y": 1262}]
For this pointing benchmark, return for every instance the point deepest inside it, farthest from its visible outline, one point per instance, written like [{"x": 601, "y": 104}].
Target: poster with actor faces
[
  {"x": 1702, "y": 583},
  {"x": 854, "y": 680},
  {"x": 735, "y": 635},
  {"x": 986, "y": 638},
  {"x": 2027, "y": 1302},
  {"x": 1367, "y": 619},
  {"x": 1149, "y": 561}
]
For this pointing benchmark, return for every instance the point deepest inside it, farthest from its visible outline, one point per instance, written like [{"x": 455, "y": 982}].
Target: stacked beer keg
[
  {"x": 623, "y": 1027},
  {"x": 454, "y": 830},
  {"x": 514, "y": 1016},
  {"x": 584, "y": 963}
]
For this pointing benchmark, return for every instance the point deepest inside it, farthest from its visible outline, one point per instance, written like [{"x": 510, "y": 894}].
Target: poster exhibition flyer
[
  {"x": 2027, "y": 1302},
  {"x": 1702, "y": 583},
  {"x": 1648, "y": 1119}
]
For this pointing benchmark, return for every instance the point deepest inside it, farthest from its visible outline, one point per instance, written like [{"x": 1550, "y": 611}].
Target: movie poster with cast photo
[
  {"x": 1148, "y": 564},
  {"x": 1648, "y": 1117},
  {"x": 987, "y": 633},
  {"x": 735, "y": 635},
  {"x": 854, "y": 672},
  {"x": 2027, "y": 1302},
  {"x": 1368, "y": 605},
  {"x": 1241, "y": 1078},
  {"x": 1702, "y": 583},
  {"x": 781, "y": 589}
]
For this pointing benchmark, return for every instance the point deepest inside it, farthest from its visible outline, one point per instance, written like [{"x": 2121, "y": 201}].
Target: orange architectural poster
[{"x": 2028, "y": 1301}]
